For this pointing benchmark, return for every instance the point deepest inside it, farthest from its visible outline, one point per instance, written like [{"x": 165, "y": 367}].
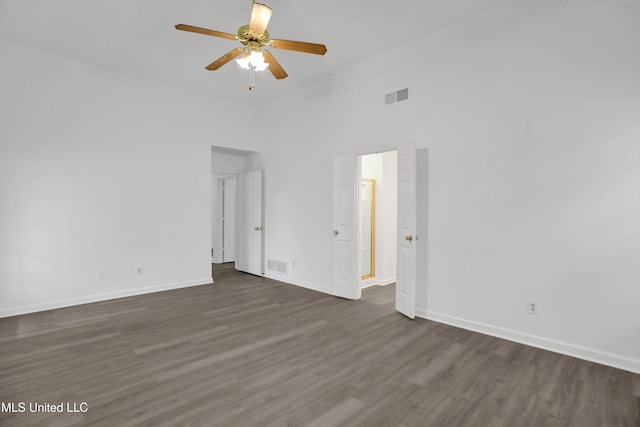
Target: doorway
[
  {"x": 378, "y": 205},
  {"x": 346, "y": 246},
  {"x": 228, "y": 168},
  {"x": 237, "y": 226}
]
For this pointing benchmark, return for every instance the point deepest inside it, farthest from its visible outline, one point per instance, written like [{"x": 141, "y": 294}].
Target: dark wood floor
[{"x": 248, "y": 351}]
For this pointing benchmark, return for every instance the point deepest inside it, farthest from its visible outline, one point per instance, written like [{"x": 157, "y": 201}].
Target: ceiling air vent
[{"x": 397, "y": 96}]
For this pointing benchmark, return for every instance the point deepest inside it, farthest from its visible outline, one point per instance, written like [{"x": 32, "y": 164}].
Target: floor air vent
[{"x": 277, "y": 266}]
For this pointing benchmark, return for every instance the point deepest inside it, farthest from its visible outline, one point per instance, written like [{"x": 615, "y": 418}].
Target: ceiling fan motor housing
[{"x": 250, "y": 39}]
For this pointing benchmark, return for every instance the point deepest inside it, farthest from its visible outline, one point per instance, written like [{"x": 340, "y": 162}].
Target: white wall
[
  {"x": 100, "y": 172},
  {"x": 226, "y": 162},
  {"x": 530, "y": 116}
]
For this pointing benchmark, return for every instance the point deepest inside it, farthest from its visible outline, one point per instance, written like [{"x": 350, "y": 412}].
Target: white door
[
  {"x": 249, "y": 222},
  {"x": 345, "y": 278},
  {"x": 406, "y": 252},
  {"x": 229, "y": 220}
]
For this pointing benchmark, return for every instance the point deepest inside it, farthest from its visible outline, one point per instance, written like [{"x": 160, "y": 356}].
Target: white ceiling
[{"x": 139, "y": 37}]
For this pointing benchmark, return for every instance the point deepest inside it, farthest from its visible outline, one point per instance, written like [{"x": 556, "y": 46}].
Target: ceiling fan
[{"x": 255, "y": 37}]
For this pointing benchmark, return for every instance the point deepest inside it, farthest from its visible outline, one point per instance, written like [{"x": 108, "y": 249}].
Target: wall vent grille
[
  {"x": 402, "y": 94},
  {"x": 397, "y": 96},
  {"x": 390, "y": 98},
  {"x": 277, "y": 266}
]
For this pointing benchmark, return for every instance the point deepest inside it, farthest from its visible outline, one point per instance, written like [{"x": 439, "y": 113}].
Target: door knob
[
  {"x": 409, "y": 237},
  {"x": 336, "y": 232}
]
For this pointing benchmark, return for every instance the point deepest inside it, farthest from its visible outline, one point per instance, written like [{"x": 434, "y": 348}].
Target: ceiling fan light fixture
[
  {"x": 254, "y": 59},
  {"x": 257, "y": 60},
  {"x": 243, "y": 61}
]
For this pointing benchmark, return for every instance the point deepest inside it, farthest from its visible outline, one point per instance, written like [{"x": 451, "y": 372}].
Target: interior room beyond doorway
[{"x": 378, "y": 204}]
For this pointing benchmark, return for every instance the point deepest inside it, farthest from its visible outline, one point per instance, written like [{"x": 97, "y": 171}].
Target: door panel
[
  {"x": 249, "y": 222},
  {"x": 406, "y": 245},
  {"x": 345, "y": 280}
]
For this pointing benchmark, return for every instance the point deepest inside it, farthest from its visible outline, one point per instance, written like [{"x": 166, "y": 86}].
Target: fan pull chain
[{"x": 252, "y": 76}]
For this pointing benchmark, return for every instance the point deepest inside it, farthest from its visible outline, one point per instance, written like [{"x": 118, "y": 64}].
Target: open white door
[
  {"x": 406, "y": 264},
  {"x": 345, "y": 277},
  {"x": 249, "y": 222}
]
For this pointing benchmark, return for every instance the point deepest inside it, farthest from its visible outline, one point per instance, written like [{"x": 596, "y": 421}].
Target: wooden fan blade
[
  {"x": 232, "y": 54},
  {"x": 274, "y": 66},
  {"x": 215, "y": 33},
  {"x": 260, "y": 16},
  {"x": 315, "y": 48}
]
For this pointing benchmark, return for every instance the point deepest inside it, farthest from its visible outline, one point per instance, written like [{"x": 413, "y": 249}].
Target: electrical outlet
[
  {"x": 99, "y": 275},
  {"x": 139, "y": 270},
  {"x": 532, "y": 307}
]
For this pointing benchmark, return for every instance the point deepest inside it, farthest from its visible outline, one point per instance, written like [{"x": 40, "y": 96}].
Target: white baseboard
[
  {"x": 51, "y": 305},
  {"x": 377, "y": 282},
  {"x": 388, "y": 281},
  {"x": 597, "y": 356},
  {"x": 301, "y": 283}
]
